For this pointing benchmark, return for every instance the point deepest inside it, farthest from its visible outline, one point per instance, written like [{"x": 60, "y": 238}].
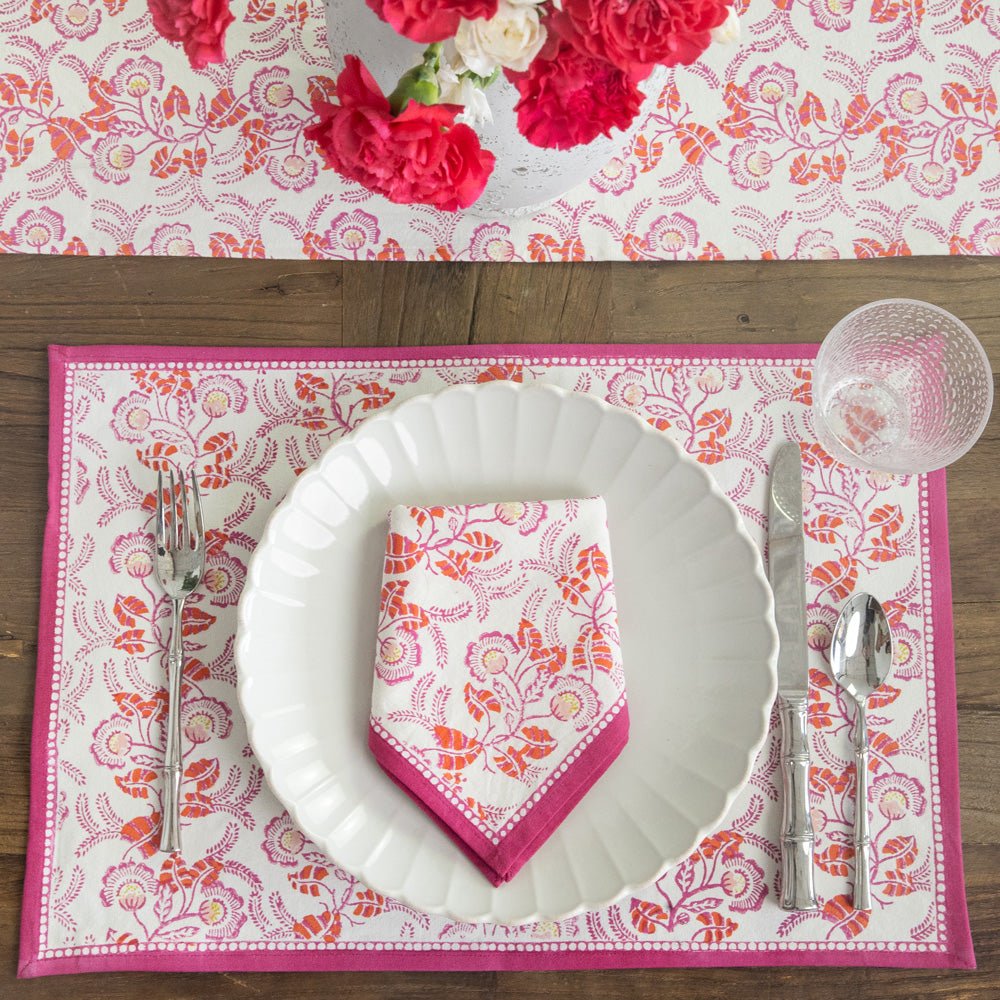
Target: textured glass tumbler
[{"x": 900, "y": 386}]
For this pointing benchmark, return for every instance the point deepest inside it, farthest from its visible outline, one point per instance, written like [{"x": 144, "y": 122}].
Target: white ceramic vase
[{"x": 524, "y": 176}]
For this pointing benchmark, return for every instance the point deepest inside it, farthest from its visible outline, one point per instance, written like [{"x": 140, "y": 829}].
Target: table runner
[
  {"x": 838, "y": 128},
  {"x": 251, "y": 892}
]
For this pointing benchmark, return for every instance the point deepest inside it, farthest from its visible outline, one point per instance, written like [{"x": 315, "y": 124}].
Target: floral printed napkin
[
  {"x": 836, "y": 128},
  {"x": 532, "y": 659},
  {"x": 251, "y": 892}
]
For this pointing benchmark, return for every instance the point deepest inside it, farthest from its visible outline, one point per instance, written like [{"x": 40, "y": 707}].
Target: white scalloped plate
[{"x": 698, "y": 642}]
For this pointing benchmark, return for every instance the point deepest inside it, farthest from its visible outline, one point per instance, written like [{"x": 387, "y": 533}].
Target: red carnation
[
  {"x": 199, "y": 25},
  {"x": 570, "y": 98},
  {"x": 430, "y": 20},
  {"x": 638, "y": 35},
  {"x": 417, "y": 157}
]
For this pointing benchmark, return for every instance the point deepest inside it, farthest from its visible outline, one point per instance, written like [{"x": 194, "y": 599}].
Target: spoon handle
[{"x": 862, "y": 834}]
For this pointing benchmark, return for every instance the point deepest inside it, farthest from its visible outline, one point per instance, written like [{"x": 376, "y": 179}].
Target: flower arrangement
[{"x": 576, "y": 66}]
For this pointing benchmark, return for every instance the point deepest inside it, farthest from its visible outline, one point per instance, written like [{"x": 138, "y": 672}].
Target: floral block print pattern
[
  {"x": 502, "y": 617},
  {"x": 250, "y": 891},
  {"x": 836, "y": 128}
]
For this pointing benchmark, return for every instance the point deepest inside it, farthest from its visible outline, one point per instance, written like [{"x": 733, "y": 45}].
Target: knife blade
[{"x": 786, "y": 572}]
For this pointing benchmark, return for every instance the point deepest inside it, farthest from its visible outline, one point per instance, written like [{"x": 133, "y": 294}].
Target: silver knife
[{"x": 786, "y": 570}]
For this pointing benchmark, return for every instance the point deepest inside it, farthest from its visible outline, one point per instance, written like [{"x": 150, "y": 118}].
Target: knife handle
[{"x": 797, "y": 838}]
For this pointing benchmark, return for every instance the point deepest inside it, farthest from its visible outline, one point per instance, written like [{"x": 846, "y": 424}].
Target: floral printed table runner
[
  {"x": 251, "y": 892},
  {"x": 837, "y": 128}
]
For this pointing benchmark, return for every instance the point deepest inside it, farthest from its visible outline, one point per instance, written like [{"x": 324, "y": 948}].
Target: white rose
[
  {"x": 511, "y": 38},
  {"x": 729, "y": 31}
]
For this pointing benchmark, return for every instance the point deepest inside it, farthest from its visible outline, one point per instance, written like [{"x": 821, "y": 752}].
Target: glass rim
[{"x": 978, "y": 349}]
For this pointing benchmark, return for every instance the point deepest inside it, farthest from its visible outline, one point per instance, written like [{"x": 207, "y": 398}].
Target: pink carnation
[
  {"x": 420, "y": 156},
  {"x": 199, "y": 25},
  {"x": 570, "y": 98},
  {"x": 430, "y": 20}
]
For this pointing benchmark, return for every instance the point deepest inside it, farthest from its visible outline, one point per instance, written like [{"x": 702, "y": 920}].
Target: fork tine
[
  {"x": 199, "y": 527},
  {"x": 161, "y": 517},
  {"x": 184, "y": 521},
  {"x": 175, "y": 512}
]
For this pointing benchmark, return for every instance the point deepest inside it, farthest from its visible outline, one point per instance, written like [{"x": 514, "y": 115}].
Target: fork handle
[{"x": 170, "y": 832}]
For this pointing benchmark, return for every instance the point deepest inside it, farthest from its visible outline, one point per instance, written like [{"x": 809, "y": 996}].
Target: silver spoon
[{"x": 861, "y": 660}]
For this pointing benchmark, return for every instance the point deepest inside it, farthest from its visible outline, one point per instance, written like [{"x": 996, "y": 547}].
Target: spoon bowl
[
  {"x": 861, "y": 660},
  {"x": 861, "y": 648}
]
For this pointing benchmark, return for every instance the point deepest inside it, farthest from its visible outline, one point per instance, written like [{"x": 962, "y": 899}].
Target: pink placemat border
[{"x": 958, "y": 953}]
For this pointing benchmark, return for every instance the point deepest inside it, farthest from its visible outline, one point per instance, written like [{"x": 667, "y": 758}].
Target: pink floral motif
[
  {"x": 398, "y": 655},
  {"x": 131, "y": 417},
  {"x": 898, "y": 795},
  {"x": 525, "y": 515},
  {"x": 831, "y": 15},
  {"x": 112, "y": 742},
  {"x": 222, "y": 912},
  {"x": 220, "y": 395},
  {"x": 750, "y": 167},
  {"x": 270, "y": 90},
  {"x": 931, "y": 179},
  {"x": 986, "y": 237},
  {"x": 113, "y": 158},
  {"x": 574, "y": 700},
  {"x": 616, "y": 177},
  {"x": 817, "y": 244},
  {"x": 744, "y": 882},
  {"x": 76, "y": 19},
  {"x": 128, "y": 885},
  {"x": 137, "y": 77},
  {"x": 291, "y": 172},
  {"x": 283, "y": 843},
  {"x": 492, "y": 242},
  {"x": 772, "y": 84},
  {"x": 223, "y": 579},
  {"x": 352, "y": 231},
  {"x": 173, "y": 240},
  {"x": 905, "y": 99},
  {"x": 626, "y": 389},
  {"x": 492, "y": 653},
  {"x": 38, "y": 228},
  {"x": 133, "y": 554},
  {"x": 906, "y": 647},
  {"x": 203, "y": 719},
  {"x": 673, "y": 234}
]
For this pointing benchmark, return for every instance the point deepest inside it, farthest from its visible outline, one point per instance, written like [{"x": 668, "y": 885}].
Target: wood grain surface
[{"x": 73, "y": 300}]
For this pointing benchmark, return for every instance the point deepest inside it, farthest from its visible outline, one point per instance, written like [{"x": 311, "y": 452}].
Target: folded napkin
[{"x": 499, "y": 696}]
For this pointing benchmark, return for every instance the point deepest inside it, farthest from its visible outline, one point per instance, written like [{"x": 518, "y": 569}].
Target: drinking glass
[{"x": 900, "y": 386}]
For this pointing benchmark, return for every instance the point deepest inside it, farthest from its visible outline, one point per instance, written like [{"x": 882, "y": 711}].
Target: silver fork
[{"x": 180, "y": 562}]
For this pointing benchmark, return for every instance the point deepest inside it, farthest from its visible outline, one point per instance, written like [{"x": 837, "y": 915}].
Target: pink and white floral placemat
[
  {"x": 250, "y": 892},
  {"x": 838, "y": 128}
]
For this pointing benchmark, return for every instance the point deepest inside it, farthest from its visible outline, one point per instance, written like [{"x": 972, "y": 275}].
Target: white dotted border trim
[
  {"x": 454, "y": 362},
  {"x": 48, "y": 851},
  {"x": 916, "y": 947},
  {"x": 496, "y": 836},
  {"x": 927, "y": 594}
]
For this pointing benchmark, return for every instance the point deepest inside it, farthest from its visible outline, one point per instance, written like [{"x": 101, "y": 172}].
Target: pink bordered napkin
[{"x": 498, "y": 697}]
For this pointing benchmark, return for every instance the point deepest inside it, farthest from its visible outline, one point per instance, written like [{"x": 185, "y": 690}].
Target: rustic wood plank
[
  {"x": 790, "y": 301},
  {"x": 122, "y": 300}
]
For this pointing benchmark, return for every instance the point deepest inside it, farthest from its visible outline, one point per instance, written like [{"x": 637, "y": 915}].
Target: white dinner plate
[{"x": 695, "y": 613}]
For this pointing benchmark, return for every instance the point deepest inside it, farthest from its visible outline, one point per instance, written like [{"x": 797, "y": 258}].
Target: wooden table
[{"x": 74, "y": 300}]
